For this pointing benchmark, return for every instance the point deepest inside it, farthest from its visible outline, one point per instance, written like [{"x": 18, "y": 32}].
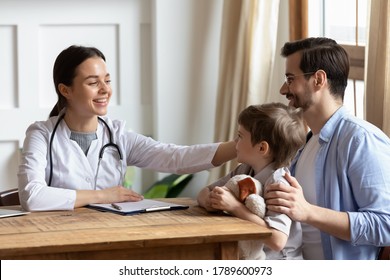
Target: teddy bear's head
[{"x": 244, "y": 185}]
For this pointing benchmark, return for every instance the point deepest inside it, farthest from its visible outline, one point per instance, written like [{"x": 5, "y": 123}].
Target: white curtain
[{"x": 247, "y": 52}]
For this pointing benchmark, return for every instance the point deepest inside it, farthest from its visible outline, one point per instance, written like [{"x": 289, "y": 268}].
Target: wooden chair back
[
  {"x": 9, "y": 197},
  {"x": 384, "y": 253}
]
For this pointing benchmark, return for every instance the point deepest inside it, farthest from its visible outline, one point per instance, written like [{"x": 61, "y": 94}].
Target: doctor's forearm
[
  {"x": 226, "y": 151},
  {"x": 85, "y": 197},
  {"x": 107, "y": 195}
]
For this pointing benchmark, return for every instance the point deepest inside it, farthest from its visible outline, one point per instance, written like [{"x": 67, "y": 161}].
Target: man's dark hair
[{"x": 322, "y": 54}]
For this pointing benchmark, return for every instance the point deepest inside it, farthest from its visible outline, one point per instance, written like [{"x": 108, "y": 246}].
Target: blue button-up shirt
[{"x": 353, "y": 175}]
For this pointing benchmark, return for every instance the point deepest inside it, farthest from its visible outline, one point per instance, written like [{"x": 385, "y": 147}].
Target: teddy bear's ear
[{"x": 246, "y": 187}]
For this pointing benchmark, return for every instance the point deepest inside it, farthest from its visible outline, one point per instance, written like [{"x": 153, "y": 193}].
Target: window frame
[{"x": 298, "y": 29}]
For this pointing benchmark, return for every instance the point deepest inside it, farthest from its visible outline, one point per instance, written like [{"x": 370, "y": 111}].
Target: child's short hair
[{"x": 281, "y": 126}]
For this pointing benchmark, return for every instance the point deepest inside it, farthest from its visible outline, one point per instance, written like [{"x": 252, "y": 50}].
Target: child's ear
[{"x": 263, "y": 147}]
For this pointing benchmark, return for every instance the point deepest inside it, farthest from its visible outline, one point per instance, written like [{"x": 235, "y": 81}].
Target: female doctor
[{"x": 79, "y": 156}]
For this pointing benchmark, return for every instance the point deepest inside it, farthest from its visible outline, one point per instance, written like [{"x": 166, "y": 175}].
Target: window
[{"x": 346, "y": 22}]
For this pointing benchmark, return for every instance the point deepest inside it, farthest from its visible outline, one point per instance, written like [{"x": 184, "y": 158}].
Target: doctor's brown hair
[
  {"x": 64, "y": 70},
  {"x": 281, "y": 126}
]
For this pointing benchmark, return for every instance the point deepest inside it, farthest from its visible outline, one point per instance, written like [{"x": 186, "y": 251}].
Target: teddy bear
[{"x": 249, "y": 191}]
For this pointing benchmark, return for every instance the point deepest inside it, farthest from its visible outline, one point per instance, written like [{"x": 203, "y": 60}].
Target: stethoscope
[{"x": 101, "y": 152}]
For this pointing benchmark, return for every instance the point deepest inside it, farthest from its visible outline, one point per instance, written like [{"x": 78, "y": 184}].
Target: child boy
[{"x": 269, "y": 136}]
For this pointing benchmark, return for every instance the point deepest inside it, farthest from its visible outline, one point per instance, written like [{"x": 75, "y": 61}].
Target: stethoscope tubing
[{"x": 101, "y": 152}]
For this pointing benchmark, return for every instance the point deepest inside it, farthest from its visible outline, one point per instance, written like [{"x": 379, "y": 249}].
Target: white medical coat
[{"x": 72, "y": 170}]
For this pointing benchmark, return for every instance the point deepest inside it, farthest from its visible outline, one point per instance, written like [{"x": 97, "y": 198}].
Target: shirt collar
[
  {"x": 330, "y": 126},
  {"x": 265, "y": 173}
]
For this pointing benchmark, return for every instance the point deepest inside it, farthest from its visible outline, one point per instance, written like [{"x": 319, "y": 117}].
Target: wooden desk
[{"x": 90, "y": 234}]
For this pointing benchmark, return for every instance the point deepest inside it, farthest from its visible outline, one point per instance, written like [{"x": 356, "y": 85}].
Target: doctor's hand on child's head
[{"x": 119, "y": 194}]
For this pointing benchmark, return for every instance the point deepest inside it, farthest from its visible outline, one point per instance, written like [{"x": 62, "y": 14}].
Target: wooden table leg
[{"x": 229, "y": 250}]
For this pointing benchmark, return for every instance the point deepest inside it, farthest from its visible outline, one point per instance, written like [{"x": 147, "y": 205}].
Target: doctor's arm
[
  {"x": 226, "y": 151},
  {"x": 109, "y": 195}
]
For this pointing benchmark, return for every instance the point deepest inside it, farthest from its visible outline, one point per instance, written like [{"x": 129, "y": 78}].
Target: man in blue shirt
[{"x": 341, "y": 185}]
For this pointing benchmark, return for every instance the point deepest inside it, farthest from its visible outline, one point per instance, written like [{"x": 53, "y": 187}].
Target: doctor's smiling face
[
  {"x": 90, "y": 91},
  {"x": 82, "y": 84}
]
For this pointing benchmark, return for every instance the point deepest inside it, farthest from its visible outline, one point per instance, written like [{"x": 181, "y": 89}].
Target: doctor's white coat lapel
[{"x": 71, "y": 168}]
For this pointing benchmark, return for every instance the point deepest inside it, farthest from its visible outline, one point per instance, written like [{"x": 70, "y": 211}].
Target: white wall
[{"x": 186, "y": 69}]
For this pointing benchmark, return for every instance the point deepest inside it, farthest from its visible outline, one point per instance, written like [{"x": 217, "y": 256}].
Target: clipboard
[{"x": 138, "y": 207}]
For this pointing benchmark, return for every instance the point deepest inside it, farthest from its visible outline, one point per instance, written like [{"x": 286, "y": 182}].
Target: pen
[{"x": 116, "y": 206}]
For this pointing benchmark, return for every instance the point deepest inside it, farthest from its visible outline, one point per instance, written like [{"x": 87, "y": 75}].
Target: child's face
[{"x": 246, "y": 152}]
